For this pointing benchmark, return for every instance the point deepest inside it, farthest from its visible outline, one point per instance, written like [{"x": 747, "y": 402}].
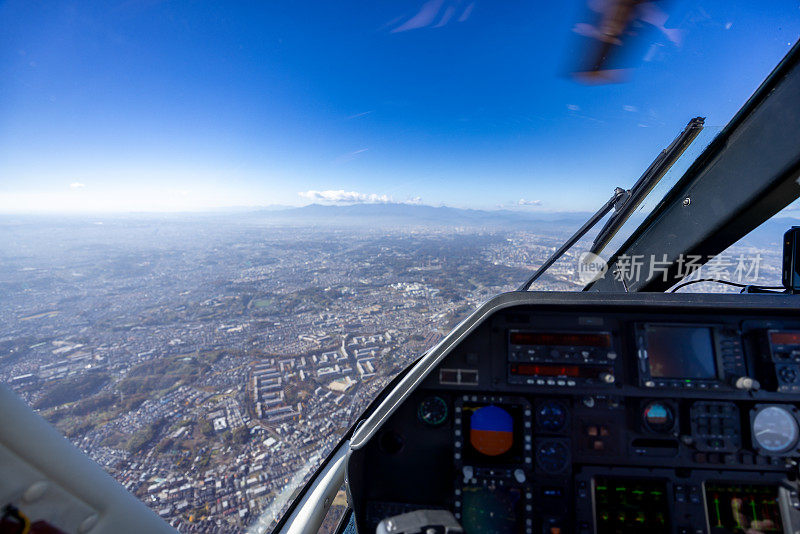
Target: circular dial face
[
  {"x": 775, "y": 429},
  {"x": 551, "y": 416},
  {"x": 658, "y": 416},
  {"x": 432, "y": 411},
  {"x": 552, "y": 456}
]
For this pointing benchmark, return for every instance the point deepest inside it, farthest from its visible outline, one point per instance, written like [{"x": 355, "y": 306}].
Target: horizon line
[{"x": 279, "y": 208}]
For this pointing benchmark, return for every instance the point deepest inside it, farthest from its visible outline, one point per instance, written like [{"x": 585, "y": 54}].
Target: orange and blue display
[{"x": 491, "y": 431}]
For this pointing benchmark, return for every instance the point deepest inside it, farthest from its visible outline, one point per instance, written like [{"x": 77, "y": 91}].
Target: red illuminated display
[
  {"x": 530, "y": 369},
  {"x": 785, "y": 338},
  {"x": 561, "y": 339}
]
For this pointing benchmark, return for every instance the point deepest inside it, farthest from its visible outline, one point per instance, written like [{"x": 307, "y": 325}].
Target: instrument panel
[{"x": 607, "y": 419}]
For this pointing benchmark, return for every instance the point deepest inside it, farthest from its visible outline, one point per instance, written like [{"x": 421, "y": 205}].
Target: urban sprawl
[{"x": 210, "y": 367}]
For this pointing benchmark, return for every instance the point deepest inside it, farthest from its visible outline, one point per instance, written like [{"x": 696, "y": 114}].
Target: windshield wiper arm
[
  {"x": 623, "y": 201},
  {"x": 647, "y": 181},
  {"x": 619, "y": 193}
]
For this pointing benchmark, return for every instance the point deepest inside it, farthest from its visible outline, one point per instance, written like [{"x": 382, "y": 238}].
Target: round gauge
[
  {"x": 551, "y": 416},
  {"x": 775, "y": 429},
  {"x": 432, "y": 411},
  {"x": 658, "y": 416},
  {"x": 552, "y": 456}
]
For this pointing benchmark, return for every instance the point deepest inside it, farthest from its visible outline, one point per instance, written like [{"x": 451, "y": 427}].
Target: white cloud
[
  {"x": 341, "y": 196},
  {"x": 632, "y": 109},
  {"x": 77, "y": 185},
  {"x": 728, "y": 25},
  {"x": 523, "y": 202},
  {"x": 350, "y": 156},
  {"x": 467, "y": 12},
  {"x": 573, "y": 107},
  {"x": 448, "y": 14},
  {"x": 424, "y": 17},
  {"x": 359, "y": 115},
  {"x": 436, "y": 14}
]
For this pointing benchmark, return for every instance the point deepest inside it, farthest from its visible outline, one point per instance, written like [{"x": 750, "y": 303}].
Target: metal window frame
[{"x": 746, "y": 175}]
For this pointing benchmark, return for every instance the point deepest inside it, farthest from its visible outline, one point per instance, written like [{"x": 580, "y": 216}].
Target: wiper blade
[
  {"x": 624, "y": 201},
  {"x": 647, "y": 181},
  {"x": 619, "y": 194}
]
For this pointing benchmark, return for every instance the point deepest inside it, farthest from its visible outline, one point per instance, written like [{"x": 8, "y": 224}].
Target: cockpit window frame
[{"x": 747, "y": 174}]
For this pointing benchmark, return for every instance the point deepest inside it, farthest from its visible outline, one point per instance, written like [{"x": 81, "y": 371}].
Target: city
[{"x": 209, "y": 365}]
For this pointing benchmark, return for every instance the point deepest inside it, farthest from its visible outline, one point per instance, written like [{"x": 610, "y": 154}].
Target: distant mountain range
[
  {"x": 394, "y": 215},
  {"x": 417, "y": 215}
]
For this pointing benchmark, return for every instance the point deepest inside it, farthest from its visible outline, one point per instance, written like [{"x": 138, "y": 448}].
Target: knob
[
  {"x": 467, "y": 471},
  {"x": 746, "y": 383},
  {"x": 519, "y": 475},
  {"x": 788, "y": 374},
  {"x": 608, "y": 378}
]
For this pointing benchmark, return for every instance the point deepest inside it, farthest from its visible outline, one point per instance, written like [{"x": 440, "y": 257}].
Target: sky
[{"x": 145, "y": 105}]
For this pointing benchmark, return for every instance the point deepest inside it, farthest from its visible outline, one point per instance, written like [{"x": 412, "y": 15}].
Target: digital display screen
[
  {"x": 785, "y": 338},
  {"x": 556, "y": 370},
  {"x": 683, "y": 352},
  {"x": 741, "y": 508},
  {"x": 493, "y": 433},
  {"x": 532, "y": 369},
  {"x": 492, "y": 510},
  {"x": 555, "y": 339},
  {"x": 625, "y": 505}
]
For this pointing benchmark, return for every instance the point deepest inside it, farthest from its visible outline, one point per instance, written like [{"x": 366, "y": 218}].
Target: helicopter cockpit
[
  {"x": 597, "y": 413},
  {"x": 628, "y": 407},
  {"x": 618, "y": 409}
]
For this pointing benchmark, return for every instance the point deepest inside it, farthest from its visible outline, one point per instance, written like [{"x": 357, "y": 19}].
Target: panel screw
[{"x": 687, "y": 201}]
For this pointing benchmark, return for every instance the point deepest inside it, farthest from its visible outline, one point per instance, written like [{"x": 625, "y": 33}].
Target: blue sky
[{"x": 147, "y": 105}]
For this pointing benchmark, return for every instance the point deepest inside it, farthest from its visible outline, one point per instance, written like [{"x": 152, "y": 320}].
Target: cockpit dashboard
[{"x": 556, "y": 413}]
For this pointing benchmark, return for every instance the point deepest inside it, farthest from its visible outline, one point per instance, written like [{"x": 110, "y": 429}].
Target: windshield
[{"x": 223, "y": 229}]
